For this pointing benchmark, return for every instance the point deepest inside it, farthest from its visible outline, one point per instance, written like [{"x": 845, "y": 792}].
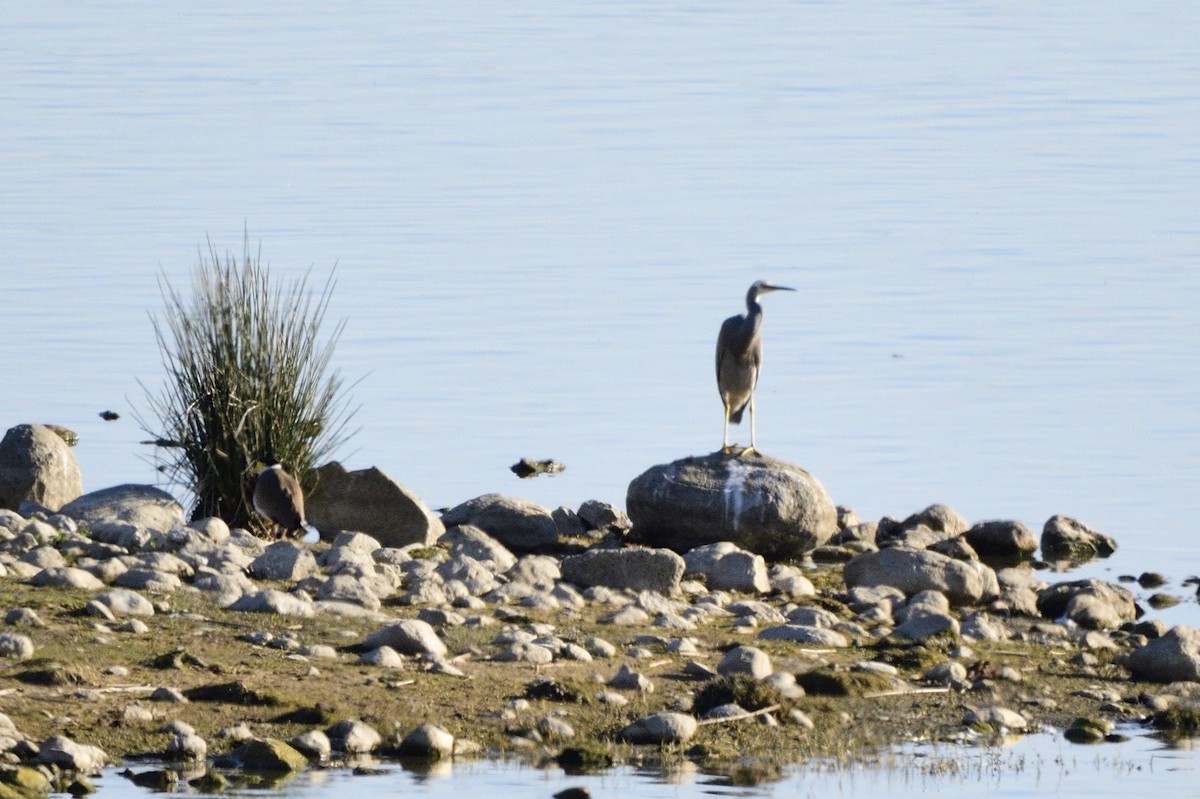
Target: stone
[
  {"x": 523, "y": 652},
  {"x": 766, "y": 506},
  {"x": 939, "y": 518},
  {"x": 568, "y": 523},
  {"x": 347, "y": 588},
  {"x": 916, "y": 570},
  {"x": 408, "y": 637},
  {"x": 926, "y": 625},
  {"x": 466, "y": 539},
  {"x": 372, "y": 502},
  {"x": 273, "y": 601},
  {"x": 995, "y": 719},
  {"x": 740, "y": 571},
  {"x": 313, "y": 744},
  {"x": 213, "y": 529},
  {"x": 124, "y": 602},
  {"x": 553, "y": 729},
  {"x": 597, "y": 515},
  {"x": 284, "y": 560},
  {"x": 748, "y": 660},
  {"x": 155, "y": 582},
  {"x": 428, "y": 741},
  {"x": 1064, "y": 538},
  {"x": 16, "y": 646},
  {"x": 37, "y": 466},
  {"x": 187, "y": 746},
  {"x": 139, "y": 506},
  {"x": 67, "y": 577},
  {"x": 1092, "y": 604},
  {"x": 803, "y": 634},
  {"x": 1173, "y": 657},
  {"x": 268, "y": 755},
  {"x": 630, "y": 680},
  {"x": 539, "y": 571},
  {"x": 383, "y": 656},
  {"x": 1002, "y": 539},
  {"x": 634, "y": 568},
  {"x": 353, "y": 737},
  {"x": 661, "y": 728},
  {"x": 58, "y": 750},
  {"x": 518, "y": 524}
]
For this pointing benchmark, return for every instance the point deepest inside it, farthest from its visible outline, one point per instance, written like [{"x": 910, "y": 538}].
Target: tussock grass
[{"x": 248, "y": 379}]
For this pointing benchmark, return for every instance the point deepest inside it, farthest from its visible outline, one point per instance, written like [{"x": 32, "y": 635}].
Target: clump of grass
[
  {"x": 248, "y": 379},
  {"x": 739, "y": 689}
]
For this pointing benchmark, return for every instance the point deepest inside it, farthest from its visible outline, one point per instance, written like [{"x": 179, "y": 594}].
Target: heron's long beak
[{"x": 769, "y": 287}]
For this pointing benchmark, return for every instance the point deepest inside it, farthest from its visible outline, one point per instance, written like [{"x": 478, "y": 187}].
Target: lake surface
[{"x": 540, "y": 213}]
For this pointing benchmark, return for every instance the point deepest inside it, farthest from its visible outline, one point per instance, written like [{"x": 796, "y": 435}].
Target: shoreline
[{"x": 548, "y": 672}]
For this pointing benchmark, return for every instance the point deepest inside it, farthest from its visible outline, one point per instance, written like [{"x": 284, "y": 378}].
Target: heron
[
  {"x": 739, "y": 356},
  {"x": 278, "y": 497}
]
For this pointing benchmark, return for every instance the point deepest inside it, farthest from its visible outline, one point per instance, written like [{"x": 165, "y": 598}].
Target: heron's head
[{"x": 762, "y": 287}]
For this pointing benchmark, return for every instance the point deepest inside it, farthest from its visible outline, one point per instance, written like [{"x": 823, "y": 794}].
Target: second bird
[
  {"x": 739, "y": 356},
  {"x": 277, "y": 496}
]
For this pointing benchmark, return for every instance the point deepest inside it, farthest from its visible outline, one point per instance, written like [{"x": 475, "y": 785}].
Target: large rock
[
  {"x": 519, "y": 524},
  {"x": 637, "y": 569},
  {"x": 1092, "y": 604},
  {"x": 767, "y": 506},
  {"x": 369, "y": 501},
  {"x": 36, "y": 465},
  {"x": 1064, "y": 538},
  {"x": 1002, "y": 538},
  {"x": 916, "y": 570},
  {"x": 138, "y": 506},
  {"x": 661, "y": 728},
  {"x": 1174, "y": 657}
]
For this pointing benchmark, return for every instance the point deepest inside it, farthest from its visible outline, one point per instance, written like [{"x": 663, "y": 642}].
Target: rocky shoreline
[{"x": 508, "y": 629}]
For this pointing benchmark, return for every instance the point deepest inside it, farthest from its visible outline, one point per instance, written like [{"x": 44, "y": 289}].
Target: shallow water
[
  {"x": 1035, "y": 765},
  {"x": 540, "y": 214}
]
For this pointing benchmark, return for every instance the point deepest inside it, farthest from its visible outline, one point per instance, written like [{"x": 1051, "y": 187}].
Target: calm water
[
  {"x": 1033, "y": 766},
  {"x": 541, "y": 212}
]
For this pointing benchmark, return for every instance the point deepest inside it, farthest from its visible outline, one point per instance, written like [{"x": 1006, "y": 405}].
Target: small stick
[
  {"x": 908, "y": 692},
  {"x": 747, "y": 715}
]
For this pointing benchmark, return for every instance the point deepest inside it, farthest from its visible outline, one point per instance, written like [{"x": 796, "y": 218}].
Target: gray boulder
[
  {"x": 408, "y": 636},
  {"x": 916, "y": 570},
  {"x": 637, "y": 569},
  {"x": 473, "y": 542},
  {"x": 519, "y": 524},
  {"x": 767, "y": 506},
  {"x": 1174, "y": 657},
  {"x": 1092, "y": 604},
  {"x": 428, "y": 741},
  {"x": 138, "y": 506},
  {"x": 36, "y": 465},
  {"x": 927, "y": 625},
  {"x": 725, "y": 567},
  {"x": 58, "y": 750},
  {"x": 803, "y": 634},
  {"x": 661, "y": 728},
  {"x": 371, "y": 502},
  {"x": 597, "y": 515},
  {"x": 284, "y": 560},
  {"x": 275, "y": 602},
  {"x": 940, "y": 518},
  {"x": 1002, "y": 539},
  {"x": 748, "y": 660},
  {"x": 1064, "y": 538}
]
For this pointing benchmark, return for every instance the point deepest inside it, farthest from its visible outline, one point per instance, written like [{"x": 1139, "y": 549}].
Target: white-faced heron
[{"x": 739, "y": 355}]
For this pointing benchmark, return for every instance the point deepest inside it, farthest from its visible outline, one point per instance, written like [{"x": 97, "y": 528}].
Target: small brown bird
[{"x": 277, "y": 496}]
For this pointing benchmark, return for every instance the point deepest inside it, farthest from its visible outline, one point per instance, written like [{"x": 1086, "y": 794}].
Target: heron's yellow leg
[
  {"x": 725, "y": 437},
  {"x": 750, "y": 449}
]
